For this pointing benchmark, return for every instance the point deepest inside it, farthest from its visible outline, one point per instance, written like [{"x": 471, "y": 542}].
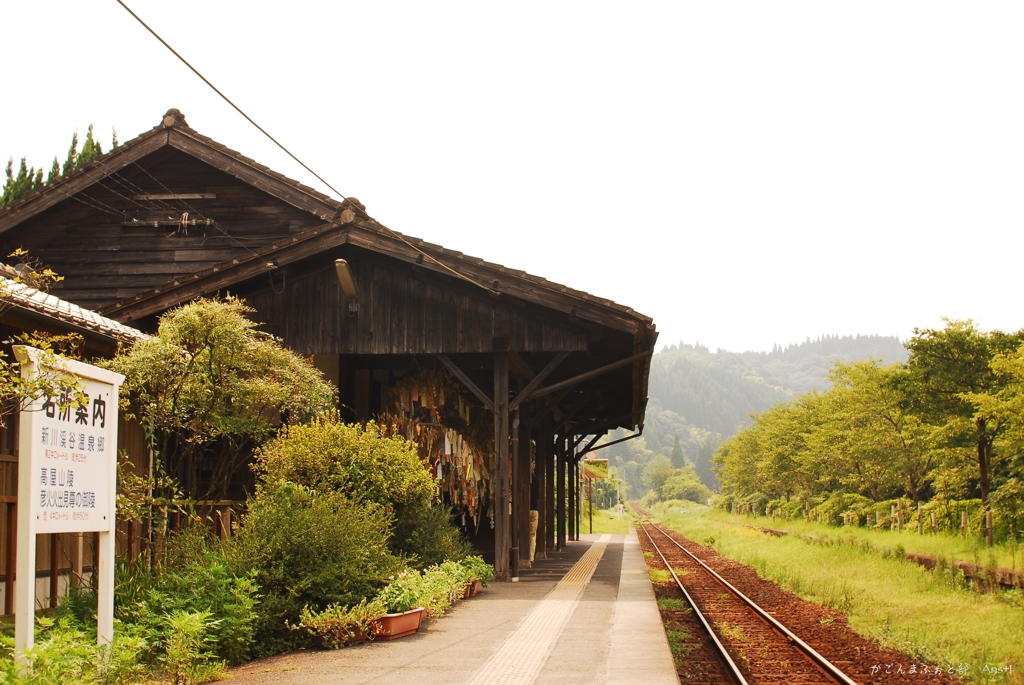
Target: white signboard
[
  {"x": 67, "y": 477},
  {"x": 73, "y": 456}
]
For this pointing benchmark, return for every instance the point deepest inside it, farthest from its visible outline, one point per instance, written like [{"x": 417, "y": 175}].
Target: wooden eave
[
  {"x": 370, "y": 236},
  {"x": 190, "y": 142}
]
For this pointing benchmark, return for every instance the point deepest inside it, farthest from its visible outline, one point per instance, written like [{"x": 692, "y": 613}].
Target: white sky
[{"x": 747, "y": 173}]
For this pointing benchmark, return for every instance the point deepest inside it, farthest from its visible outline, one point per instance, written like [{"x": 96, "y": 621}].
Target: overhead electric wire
[
  {"x": 191, "y": 209},
  {"x": 94, "y": 203},
  {"x": 238, "y": 109}
]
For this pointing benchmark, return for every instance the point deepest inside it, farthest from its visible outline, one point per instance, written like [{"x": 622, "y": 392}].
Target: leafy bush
[
  {"x": 337, "y": 625},
  {"x": 328, "y": 455},
  {"x": 190, "y": 658},
  {"x": 309, "y": 548},
  {"x": 66, "y": 652},
  {"x": 685, "y": 484},
  {"x": 194, "y": 579},
  {"x": 428, "y": 536},
  {"x": 367, "y": 466}
]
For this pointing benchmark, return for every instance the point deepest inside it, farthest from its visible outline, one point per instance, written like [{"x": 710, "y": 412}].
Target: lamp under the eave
[{"x": 345, "y": 278}]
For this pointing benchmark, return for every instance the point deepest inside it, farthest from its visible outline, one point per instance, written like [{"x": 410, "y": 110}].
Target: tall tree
[
  {"x": 678, "y": 460},
  {"x": 948, "y": 368}
]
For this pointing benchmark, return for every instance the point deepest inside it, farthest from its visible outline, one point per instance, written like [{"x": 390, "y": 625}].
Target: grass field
[
  {"x": 930, "y": 616},
  {"x": 972, "y": 549},
  {"x": 606, "y": 521}
]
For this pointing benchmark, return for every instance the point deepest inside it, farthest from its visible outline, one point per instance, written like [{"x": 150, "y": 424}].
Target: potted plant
[
  {"x": 401, "y": 600},
  {"x": 337, "y": 626},
  {"x": 478, "y": 572}
]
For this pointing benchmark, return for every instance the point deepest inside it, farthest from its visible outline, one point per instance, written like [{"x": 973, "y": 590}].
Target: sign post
[
  {"x": 67, "y": 478},
  {"x": 593, "y": 468}
]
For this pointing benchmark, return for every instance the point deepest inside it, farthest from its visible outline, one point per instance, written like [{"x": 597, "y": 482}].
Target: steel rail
[
  {"x": 821, "y": 662},
  {"x": 736, "y": 674}
]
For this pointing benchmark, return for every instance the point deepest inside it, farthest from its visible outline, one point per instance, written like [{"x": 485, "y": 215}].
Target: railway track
[{"x": 753, "y": 648}]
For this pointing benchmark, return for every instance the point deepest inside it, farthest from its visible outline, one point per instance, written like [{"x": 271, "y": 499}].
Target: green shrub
[
  {"x": 367, "y": 466},
  {"x": 309, "y": 548},
  {"x": 194, "y": 579},
  {"x": 429, "y": 537},
  {"x": 190, "y": 657},
  {"x": 66, "y": 652},
  {"x": 685, "y": 484},
  {"x": 328, "y": 455}
]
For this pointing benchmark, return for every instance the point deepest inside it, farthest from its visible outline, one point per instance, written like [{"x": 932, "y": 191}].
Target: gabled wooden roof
[
  {"x": 175, "y": 133},
  {"x": 371, "y": 235}
]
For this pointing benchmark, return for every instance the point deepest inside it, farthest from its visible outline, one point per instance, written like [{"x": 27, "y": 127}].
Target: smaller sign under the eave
[{"x": 595, "y": 468}]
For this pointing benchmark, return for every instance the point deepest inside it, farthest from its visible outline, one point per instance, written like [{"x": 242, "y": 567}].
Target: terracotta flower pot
[
  {"x": 393, "y": 626},
  {"x": 474, "y": 588}
]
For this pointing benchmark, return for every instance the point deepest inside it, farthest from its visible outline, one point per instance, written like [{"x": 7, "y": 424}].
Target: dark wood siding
[
  {"x": 401, "y": 312},
  {"x": 104, "y": 258}
]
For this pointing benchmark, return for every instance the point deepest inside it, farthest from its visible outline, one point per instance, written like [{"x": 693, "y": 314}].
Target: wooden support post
[
  {"x": 920, "y": 521},
  {"x": 590, "y": 503},
  {"x": 892, "y": 517},
  {"x": 502, "y": 534},
  {"x": 521, "y": 447},
  {"x": 562, "y": 498},
  {"x": 12, "y": 556},
  {"x": 963, "y": 524},
  {"x": 541, "y": 469},
  {"x": 988, "y": 527},
  {"x": 899, "y": 515},
  {"x": 935, "y": 524},
  {"x": 570, "y": 456},
  {"x": 225, "y": 522},
  {"x": 579, "y": 499},
  {"x": 550, "y": 469},
  {"x": 517, "y": 501},
  {"x": 76, "y": 560},
  {"x": 54, "y": 569}
]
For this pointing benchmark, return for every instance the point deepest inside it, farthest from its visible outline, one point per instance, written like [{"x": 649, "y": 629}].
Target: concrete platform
[{"x": 586, "y": 615}]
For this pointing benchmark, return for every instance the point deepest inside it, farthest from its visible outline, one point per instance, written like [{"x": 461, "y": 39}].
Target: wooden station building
[{"x": 510, "y": 367}]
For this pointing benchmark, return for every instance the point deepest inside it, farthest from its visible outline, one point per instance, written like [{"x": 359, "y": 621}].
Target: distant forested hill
[{"x": 703, "y": 397}]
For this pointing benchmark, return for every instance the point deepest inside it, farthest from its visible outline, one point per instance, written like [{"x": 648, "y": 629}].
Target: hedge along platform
[{"x": 587, "y": 614}]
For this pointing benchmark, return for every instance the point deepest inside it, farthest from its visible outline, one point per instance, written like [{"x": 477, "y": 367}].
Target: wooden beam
[
  {"x": 568, "y": 383},
  {"x": 537, "y": 380},
  {"x": 226, "y": 274},
  {"x": 542, "y": 412},
  {"x": 616, "y": 442},
  {"x": 590, "y": 444},
  {"x": 560, "y": 504},
  {"x": 467, "y": 381},
  {"x": 502, "y": 534},
  {"x": 541, "y": 470}
]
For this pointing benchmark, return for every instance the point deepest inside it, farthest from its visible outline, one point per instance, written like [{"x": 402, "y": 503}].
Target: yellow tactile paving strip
[{"x": 524, "y": 653}]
